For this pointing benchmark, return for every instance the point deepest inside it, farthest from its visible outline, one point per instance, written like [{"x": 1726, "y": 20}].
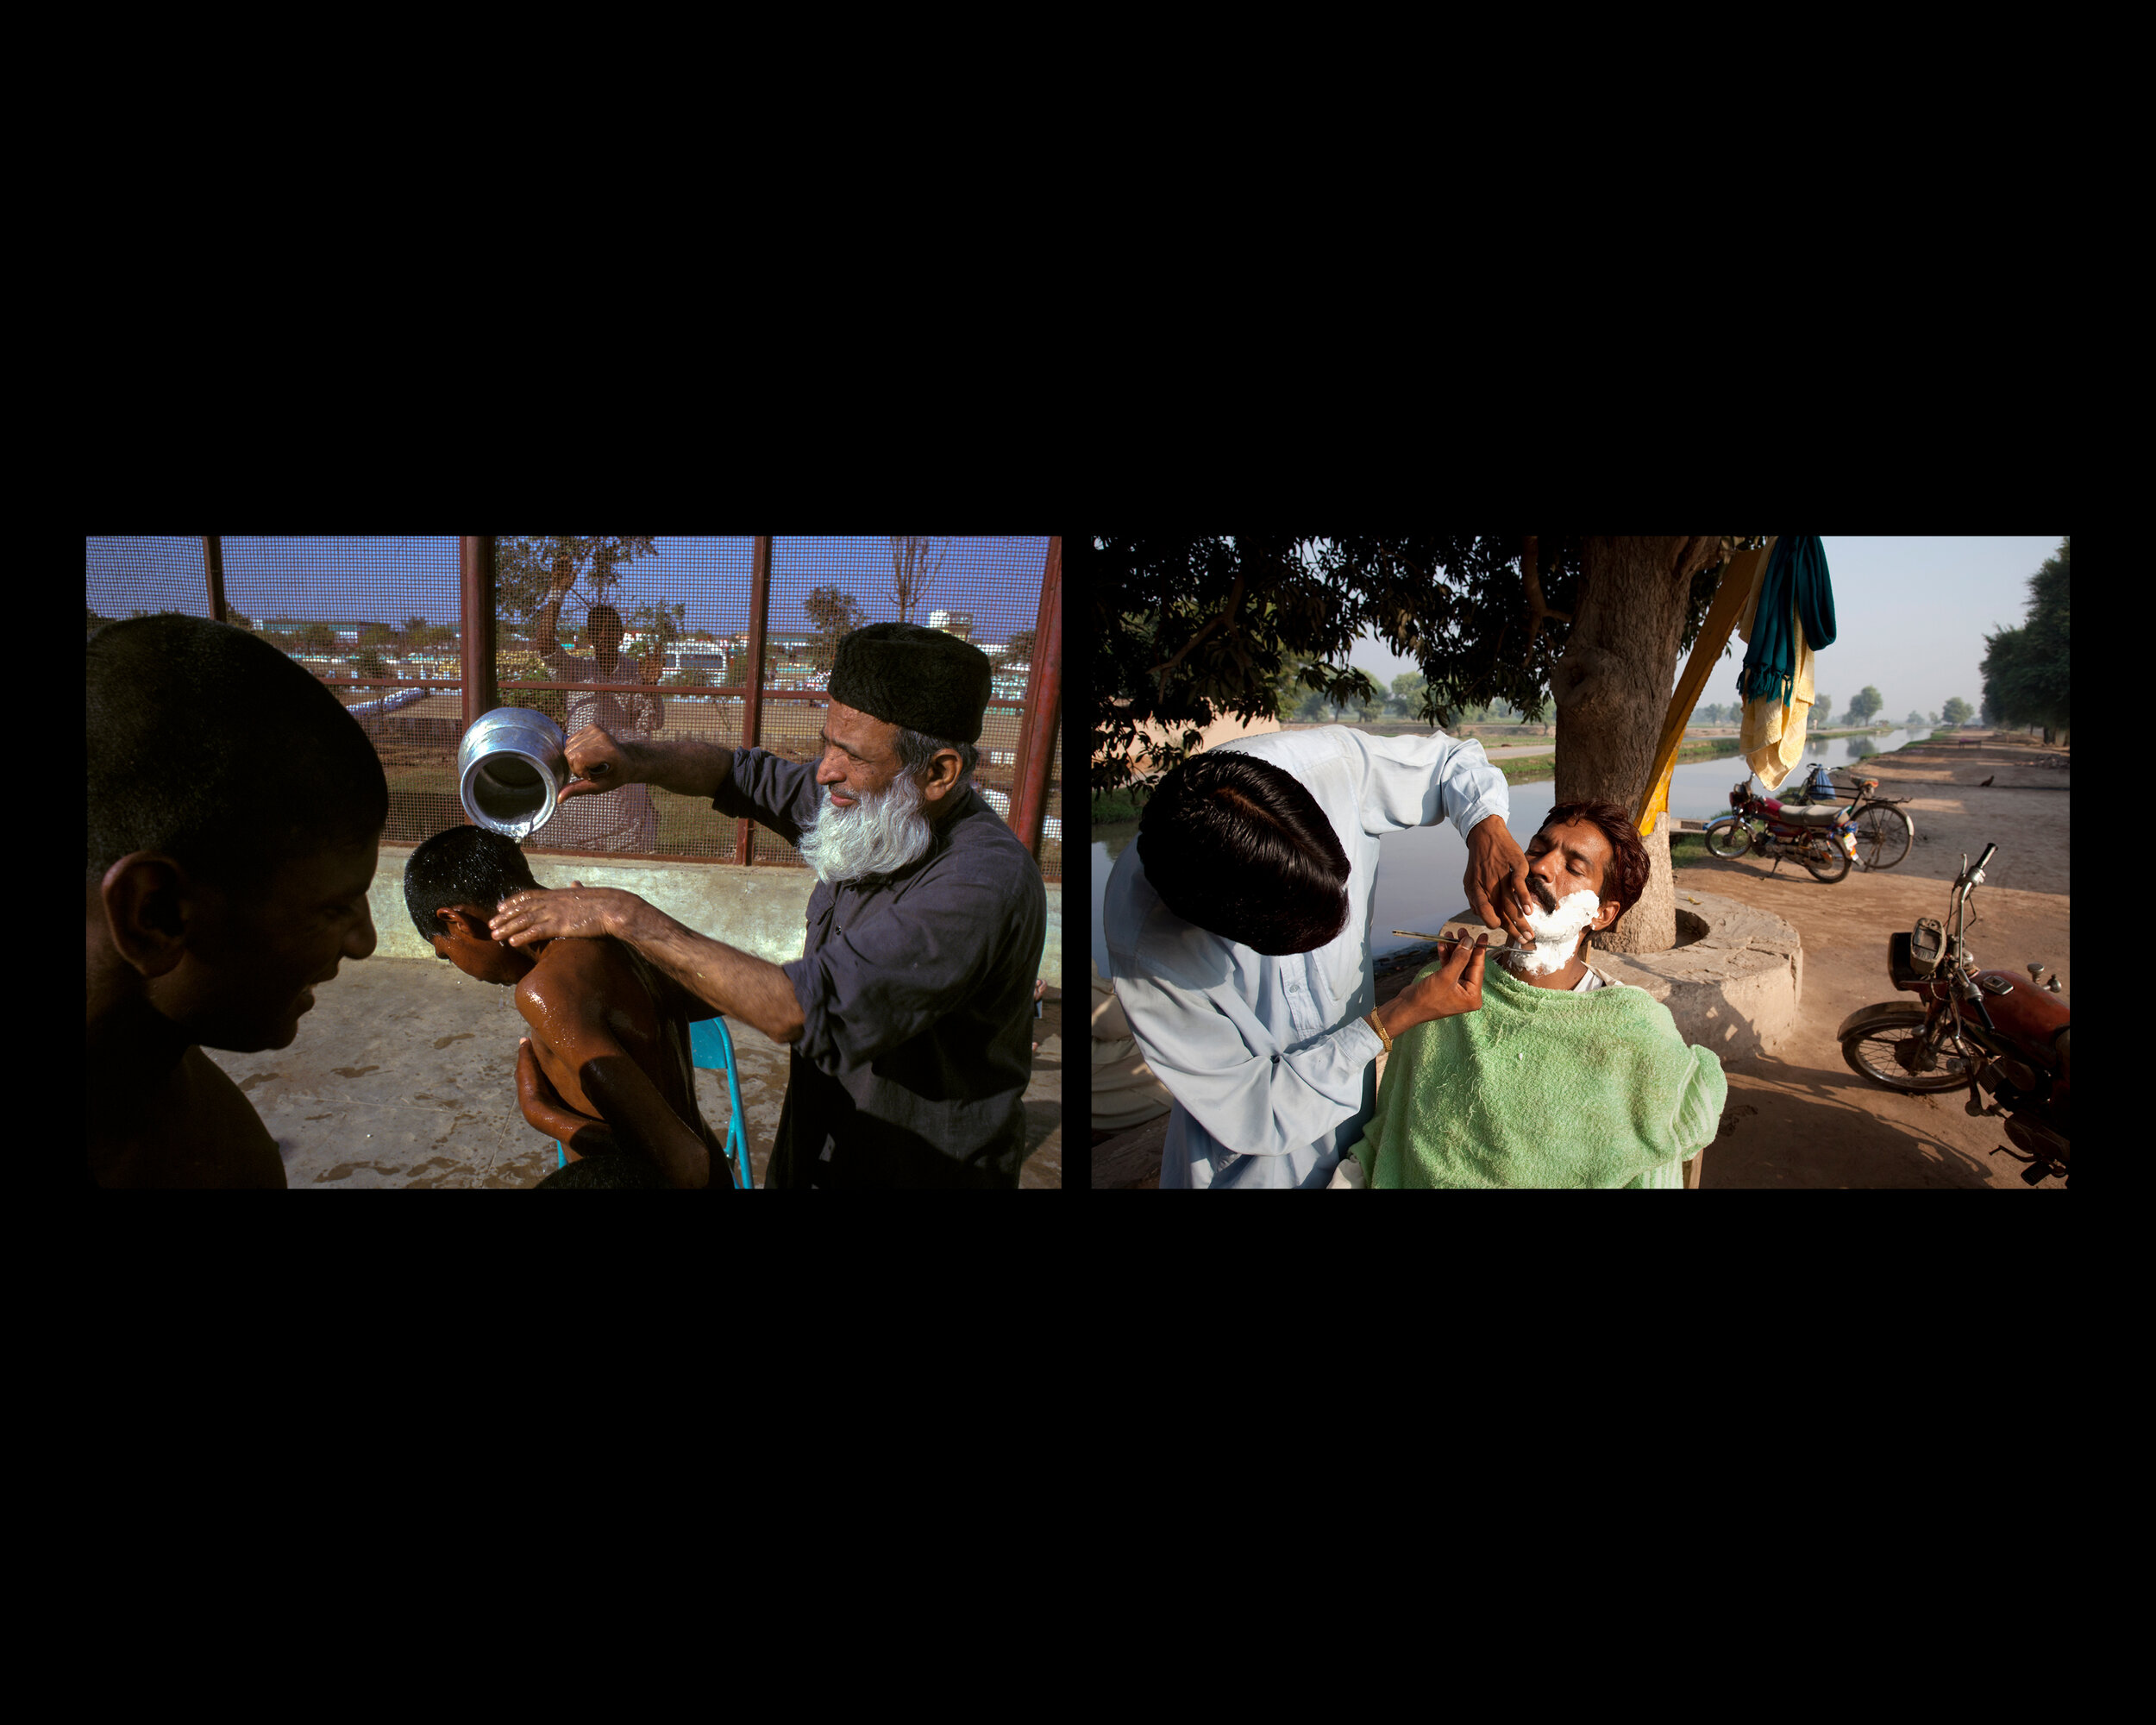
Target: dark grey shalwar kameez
[{"x": 917, "y": 1001}]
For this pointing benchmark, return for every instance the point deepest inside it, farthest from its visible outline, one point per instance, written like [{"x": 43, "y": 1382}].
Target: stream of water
[{"x": 1419, "y": 873}]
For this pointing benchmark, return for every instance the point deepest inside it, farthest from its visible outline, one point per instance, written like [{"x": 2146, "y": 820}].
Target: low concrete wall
[
  {"x": 763, "y": 910},
  {"x": 1733, "y": 985}
]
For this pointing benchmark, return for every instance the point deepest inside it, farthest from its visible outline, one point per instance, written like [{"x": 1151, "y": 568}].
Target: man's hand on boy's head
[
  {"x": 1496, "y": 879},
  {"x": 576, "y": 912}
]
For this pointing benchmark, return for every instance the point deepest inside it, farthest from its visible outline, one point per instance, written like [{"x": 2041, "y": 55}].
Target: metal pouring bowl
[{"x": 511, "y": 766}]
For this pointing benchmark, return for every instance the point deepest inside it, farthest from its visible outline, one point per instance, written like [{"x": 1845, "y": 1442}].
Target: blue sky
[
  {"x": 388, "y": 579},
  {"x": 1910, "y": 616}
]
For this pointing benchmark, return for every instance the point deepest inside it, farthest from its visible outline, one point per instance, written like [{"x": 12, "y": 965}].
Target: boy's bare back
[{"x": 579, "y": 986}]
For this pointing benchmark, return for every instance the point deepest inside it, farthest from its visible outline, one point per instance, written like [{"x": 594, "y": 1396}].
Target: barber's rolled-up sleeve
[{"x": 1399, "y": 782}]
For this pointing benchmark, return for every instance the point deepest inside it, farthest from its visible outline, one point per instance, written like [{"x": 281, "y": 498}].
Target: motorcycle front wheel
[
  {"x": 1872, "y": 1041},
  {"x": 1727, "y": 837},
  {"x": 1883, "y": 835},
  {"x": 1827, "y": 860}
]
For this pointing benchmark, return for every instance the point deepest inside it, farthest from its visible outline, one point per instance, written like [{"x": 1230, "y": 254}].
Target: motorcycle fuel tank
[{"x": 2028, "y": 1016}]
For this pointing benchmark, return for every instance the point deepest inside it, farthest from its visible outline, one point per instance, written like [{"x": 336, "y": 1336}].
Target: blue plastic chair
[{"x": 711, "y": 1049}]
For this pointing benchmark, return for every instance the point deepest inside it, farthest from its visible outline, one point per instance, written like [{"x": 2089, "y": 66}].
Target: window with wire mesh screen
[
  {"x": 649, "y": 637},
  {"x": 1052, "y": 852},
  {"x": 375, "y": 618},
  {"x": 986, "y": 591},
  {"x": 141, "y": 577},
  {"x": 646, "y": 638}
]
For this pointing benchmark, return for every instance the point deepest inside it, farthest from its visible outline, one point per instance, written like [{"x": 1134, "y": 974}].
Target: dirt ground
[
  {"x": 1802, "y": 1119},
  {"x": 402, "y": 1075}
]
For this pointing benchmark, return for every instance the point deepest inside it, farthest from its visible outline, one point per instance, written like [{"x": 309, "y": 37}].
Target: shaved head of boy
[{"x": 609, "y": 1033}]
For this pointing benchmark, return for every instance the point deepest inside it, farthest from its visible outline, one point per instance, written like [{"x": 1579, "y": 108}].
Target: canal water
[{"x": 1419, "y": 873}]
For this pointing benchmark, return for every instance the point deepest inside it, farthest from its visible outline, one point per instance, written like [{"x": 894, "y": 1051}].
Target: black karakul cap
[{"x": 920, "y": 679}]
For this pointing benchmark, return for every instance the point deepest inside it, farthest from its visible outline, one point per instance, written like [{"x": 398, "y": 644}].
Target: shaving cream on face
[{"x": 1556, "y": 933}]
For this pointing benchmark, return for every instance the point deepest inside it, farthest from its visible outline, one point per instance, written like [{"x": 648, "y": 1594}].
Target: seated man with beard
[
  {"x": 909, "y": 1007},
  {"x": 1555, "y": 1075}
]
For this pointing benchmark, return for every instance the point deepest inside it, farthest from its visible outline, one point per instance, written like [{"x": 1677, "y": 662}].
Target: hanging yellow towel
[{"x": 1773, "y": 735}]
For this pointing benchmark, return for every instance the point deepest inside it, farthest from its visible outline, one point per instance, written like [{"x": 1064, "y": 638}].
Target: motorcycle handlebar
[{"x": 1976, "y": 870}]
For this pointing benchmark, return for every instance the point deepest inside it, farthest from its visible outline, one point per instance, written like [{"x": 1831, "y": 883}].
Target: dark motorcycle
[
  {"x": 1974, "y": 1030},
  {"x": 1821, "y": 839}
]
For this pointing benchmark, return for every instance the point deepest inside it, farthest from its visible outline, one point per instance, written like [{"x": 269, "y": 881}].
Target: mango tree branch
[
  {"x": 1536, "y": 610},
  {"x": 1166, "y": 668}
]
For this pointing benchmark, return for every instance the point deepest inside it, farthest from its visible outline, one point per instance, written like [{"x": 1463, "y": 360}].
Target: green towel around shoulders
[{"x": 1540, "y": 1087}]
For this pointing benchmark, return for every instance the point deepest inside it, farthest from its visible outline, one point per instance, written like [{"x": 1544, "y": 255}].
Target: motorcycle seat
[{"x": 1805, "y": 817}]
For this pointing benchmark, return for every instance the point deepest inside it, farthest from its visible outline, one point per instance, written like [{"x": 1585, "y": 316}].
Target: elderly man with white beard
[{"x": 908, "y": 1012}]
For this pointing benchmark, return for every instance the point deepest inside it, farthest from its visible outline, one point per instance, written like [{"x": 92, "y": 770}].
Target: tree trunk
[
  {"x": 1611, "y": 691},
  {"x": 1655, "y": 907}
]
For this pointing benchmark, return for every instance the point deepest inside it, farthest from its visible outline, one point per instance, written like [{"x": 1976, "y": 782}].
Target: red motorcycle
[
  {"x": 1974, "y": 1030},
  {"x": 1820, "y": 838}
]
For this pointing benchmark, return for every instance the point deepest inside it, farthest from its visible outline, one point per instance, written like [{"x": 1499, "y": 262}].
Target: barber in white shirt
[{"x": 1237, "y": 928}]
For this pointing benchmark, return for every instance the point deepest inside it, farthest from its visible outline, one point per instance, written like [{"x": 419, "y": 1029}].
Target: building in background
[
  {"x": 370, "y": 656},
  {"x": 345, "y": 631}
]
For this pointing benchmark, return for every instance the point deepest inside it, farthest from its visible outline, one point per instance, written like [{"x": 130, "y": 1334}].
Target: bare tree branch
[
  {"x": 1227, "y": 617},
  {"x": 911, "y": 571},
  {"x": 1536, "y": 609}
]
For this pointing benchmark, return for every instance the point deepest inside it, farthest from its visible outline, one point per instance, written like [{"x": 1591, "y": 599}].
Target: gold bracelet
[{"x": 1370, "y": 1018}]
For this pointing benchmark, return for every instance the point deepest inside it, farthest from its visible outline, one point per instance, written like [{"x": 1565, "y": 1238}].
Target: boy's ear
[{"x": 449, "y": 922}]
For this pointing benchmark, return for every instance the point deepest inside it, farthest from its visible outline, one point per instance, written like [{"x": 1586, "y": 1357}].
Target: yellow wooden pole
[{"x": 1740, "y": 577}]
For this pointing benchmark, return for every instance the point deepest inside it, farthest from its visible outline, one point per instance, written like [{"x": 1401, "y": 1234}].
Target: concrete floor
[{"x": 404, "y": 1074}]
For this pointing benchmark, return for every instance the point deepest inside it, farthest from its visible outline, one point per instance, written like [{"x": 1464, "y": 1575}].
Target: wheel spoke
[
  {"x": 1883, "y": 835},
  {"x": 1878, "y": 1054}
]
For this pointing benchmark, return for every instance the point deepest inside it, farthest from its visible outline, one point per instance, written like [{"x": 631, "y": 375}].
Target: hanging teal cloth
[{"x": 1797, "y": 571}]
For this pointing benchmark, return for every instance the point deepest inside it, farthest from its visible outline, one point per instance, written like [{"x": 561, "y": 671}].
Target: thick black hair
[
  {"x": 466, "y": 865},
  {"x": 212, "y": 746},
  {"x": 1237, "y": 845}
]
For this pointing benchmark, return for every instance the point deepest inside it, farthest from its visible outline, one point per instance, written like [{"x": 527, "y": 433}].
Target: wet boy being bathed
[{"x": 606, "y": 1069}]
